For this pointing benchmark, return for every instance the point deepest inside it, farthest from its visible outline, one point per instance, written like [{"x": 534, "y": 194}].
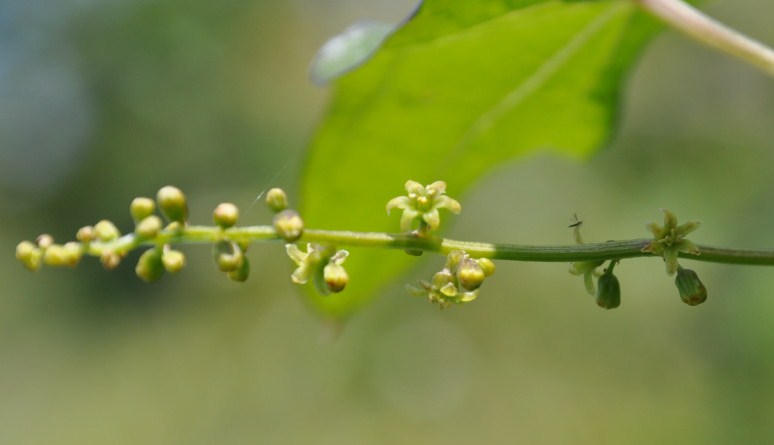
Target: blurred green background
[{"x": 101, "y": 101}]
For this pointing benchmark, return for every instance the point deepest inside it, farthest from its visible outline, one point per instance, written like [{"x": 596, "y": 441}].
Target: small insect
[{"x": 576, "y": 229}]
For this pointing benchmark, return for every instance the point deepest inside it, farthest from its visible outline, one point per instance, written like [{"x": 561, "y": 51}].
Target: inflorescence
[{"x": 162, "y": 222}]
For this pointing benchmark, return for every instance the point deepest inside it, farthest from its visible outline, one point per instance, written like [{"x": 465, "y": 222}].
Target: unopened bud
[
  {"x": 29, "y": 255},
  {"x": 487, "y": 265},
  {"x": 109, "y": 260},
  {"x": 470, "y": 274},
  {"x": 227, "y": 255},
  {"x": 225, "y": 215},
  {"x": 289, "y": 225},
  {"x": 173, "y": 260},
  {"x": 86, "y": 234},
  {"x": 335, "y": 276},
  {"x": 149, "y": 227},
  {"x": 106, "y": 231},
  {"x": 141, "y": 208},
  {"x": 608, "y": 291},
  {"x": 277, "y": 200},
  {"x": 242, "y": 272},
  {"x": 45, "y": 241},
  {"x": 172, "y": 203},
  {"x": 150, "y": 267},
  {"x": 692, "y": 290}
]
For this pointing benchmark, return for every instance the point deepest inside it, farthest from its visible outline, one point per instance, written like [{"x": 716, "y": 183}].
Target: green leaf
[
  {"x": 348, "y": 49},
  {"x": 462, "y": 87}
]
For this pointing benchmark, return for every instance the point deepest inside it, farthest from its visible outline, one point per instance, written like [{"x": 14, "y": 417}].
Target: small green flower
[
  {"x": 422, "y": 203},
  {"x": 457, "y": 283},
  {"x": 321, "y": 264},
  {"x": 589, "y": 271},
  {"x": 669, "y": 240}
]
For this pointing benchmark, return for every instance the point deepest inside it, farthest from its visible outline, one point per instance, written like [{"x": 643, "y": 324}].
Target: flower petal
[
  {"x": 444, "y": 202},
  {"x": 432, "y": 218},
  {"x": 400, "y": 202}
]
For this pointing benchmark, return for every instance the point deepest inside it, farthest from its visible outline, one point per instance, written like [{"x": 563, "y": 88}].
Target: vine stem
[
  {"x": 699, "y": 26},
  {"x": 546, "y": 253}
]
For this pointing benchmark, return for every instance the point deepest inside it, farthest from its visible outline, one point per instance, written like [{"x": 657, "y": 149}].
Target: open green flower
[
  {"x": 669, "y": 240},
  {"x": 422, "y": 203}
]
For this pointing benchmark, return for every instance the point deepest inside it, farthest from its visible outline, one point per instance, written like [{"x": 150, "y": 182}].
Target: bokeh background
[{"x": 101, "y": 101}]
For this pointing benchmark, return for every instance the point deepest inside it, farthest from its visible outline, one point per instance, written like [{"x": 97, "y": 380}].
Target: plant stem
[
  {"x": 560, "y": 253},
  {"x": 694, "y": 23}
]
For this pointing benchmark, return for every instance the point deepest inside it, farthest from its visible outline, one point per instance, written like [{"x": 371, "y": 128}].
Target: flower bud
[
  {"x": 109, "y": 259},
  {"x": 45, "y": 241},
  {"x": 277, "y": 200},
  {"x": 63, "y": 255},
  {"x": 172, "y": 203},
  {"x": 608, "y": 291},
  {"x": 288, "y": 225},
  {"x": 225, "y": 215},
  {"x": 150, "y": 267},
  {"x": 149, "y": 227},
  {"x": 335, "y": 276},
  {"x": 106, "y": 231},
  {"x": 242, "y": 272},
  {"x": 470, "y": 274},
  {"x": 29, "y": 255},
  {"x": 173, "y": 260},
  {"x": 487, "y": 265},
  {"x": 691, "y": 289},
  {"x": 141, "y": 208},
  {"x": 227, "y": 255},
  {"x": 86, "y": 234}
]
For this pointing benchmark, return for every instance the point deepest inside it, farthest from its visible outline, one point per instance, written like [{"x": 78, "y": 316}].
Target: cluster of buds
[
  {"x": 458, "y": 282},
  {"x": 105, "y": 240}
]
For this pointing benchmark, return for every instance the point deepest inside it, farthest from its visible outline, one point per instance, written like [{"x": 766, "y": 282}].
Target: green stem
[
  {"x": 695, "y": 24},
  {"x": 561, "y": 253}
]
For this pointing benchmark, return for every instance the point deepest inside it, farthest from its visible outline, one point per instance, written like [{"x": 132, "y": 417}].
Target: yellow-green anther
[
  {"x": 141, "y": 208},
  {"x": 288, "y": 225},
  {"x": 470, "y": 274},
  {"x": 241, "y": 273},
  {"x": 106, "y": 231},
  {"x": 109, "y": 260},
  {"x": 149, "y": 227},
  {"x": 173, "y": 260},
  {"x": 608, "y": 290},
  {"x": 225, "y": 215},
  {"x": 29, "y": 255},
  {"x": 86, "y": 234},
  {"x": 150, "y": 267},
  {"x": 277, "y": 200},
  {"x": 423, "y": 203},
  {"x": 335, "y": 277},
  {"x": 692, "y": 290},
  {"x": 670, "y": 239},
  {"x": 45, "y": 241},
  {"x": 172, "y": 203},
  {"x": 227, "y": 255}
]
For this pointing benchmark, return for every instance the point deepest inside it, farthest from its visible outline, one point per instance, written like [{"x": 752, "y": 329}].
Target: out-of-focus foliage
[{"x": 215, "y": 98}]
